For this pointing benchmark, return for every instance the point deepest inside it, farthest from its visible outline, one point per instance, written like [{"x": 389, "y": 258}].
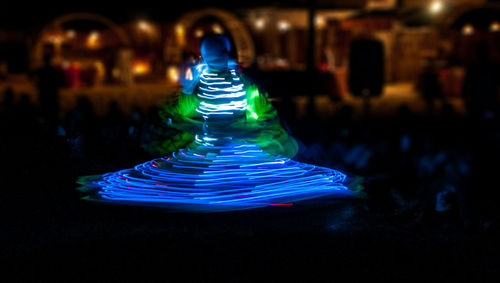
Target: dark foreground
[
  {"x": 396, "y": 233},
  {"x": 55, "y": 235}
]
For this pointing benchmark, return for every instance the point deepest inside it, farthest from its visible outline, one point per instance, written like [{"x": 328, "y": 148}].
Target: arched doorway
[
  {"x": 243, "y": 43},
  {"x": 97, "y": 43}
]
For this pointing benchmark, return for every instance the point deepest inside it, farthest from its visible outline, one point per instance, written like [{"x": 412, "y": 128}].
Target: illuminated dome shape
[{"x": 222, "y": 169}]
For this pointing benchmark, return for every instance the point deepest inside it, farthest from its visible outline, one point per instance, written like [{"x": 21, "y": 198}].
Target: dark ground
[
  {"x": 79, "y": 240},
  {"x": 49, "y": 234},
  {"x": 57, "y": 236}
]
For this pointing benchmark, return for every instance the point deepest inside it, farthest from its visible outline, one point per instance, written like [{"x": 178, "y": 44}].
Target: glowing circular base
[{"x": 219, "y": 178}]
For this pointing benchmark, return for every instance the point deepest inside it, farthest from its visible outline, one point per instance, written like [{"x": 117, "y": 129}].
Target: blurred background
[
  {"x": 135, "y": 54},
  {"x": 403, "y": 93}
]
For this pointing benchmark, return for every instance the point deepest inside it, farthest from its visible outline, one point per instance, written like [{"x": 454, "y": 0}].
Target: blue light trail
[{"x": 187, "y": 180}]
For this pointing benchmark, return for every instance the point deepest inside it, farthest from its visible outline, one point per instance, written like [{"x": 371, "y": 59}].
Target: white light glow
[
  {"x": 260, "y": 23},
  {"x": 217, "y": 29},
  {"x": 283, "y": 26},
  {"x": 144, "y": 26},
  {"x": 436, "y": 6}
]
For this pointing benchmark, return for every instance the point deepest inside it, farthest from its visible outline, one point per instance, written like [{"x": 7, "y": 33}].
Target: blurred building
[{"x": 94, "y": 49}]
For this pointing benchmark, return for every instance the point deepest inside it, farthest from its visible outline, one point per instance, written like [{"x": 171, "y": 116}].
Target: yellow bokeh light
[
  {"x": 93, "y": 40},
  {"x": 320, "y": 22},
  {"x": 180, "y": 34},
  {"x": 173, "y": 74},
  {"x": 141, "y": 67}
]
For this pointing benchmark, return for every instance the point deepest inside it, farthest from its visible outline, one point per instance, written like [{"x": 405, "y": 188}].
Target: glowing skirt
[{"x": 217, "y": 178}]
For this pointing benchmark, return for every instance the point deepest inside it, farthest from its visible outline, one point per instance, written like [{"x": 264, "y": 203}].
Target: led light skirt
[
  {"x": 219, "y": 178},
  {"x": 220, "y": 171}
]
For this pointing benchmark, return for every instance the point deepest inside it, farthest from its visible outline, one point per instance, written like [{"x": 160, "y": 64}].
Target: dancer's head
[{"x": 215, "y": 52}]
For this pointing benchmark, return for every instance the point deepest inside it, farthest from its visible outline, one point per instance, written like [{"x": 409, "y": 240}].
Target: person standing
[{"x": 49, "y": 80}]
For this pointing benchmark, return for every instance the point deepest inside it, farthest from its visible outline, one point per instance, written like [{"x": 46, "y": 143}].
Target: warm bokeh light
[
  {"x": 140, "y": 67},
  {"x": 71, "y": 34},
  {"x": 93, "y": 40},
  {"x": 173, "y": 74},
  {"x": 65, "y": 64},
  {"x": 115, "y": 72},
  {"x": 283, "y": 25},
  {"x": 436, "y": 6},
  {"x": 144, "y": 26},
  {"x": 179, "y": 30},
  {"x": 217, "y": 29},
  {"x": 180, "y": 34},
  {"x": 320, "y": 22},
  {"x": 56, "y": 39},
  {"x": 189, "y": 74},
  {"x": 468, "y": 29},
  {"x": 260, "y": 23},
  {"x": 495, "y": 26},
  {"x": 198, "y": 33}
]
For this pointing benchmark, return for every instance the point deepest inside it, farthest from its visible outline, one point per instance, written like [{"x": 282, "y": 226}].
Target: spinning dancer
[{"x": 238, "y": 159}]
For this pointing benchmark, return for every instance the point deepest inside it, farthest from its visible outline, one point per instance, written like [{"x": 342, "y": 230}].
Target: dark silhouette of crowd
[{"x": 436, "y": 170}]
